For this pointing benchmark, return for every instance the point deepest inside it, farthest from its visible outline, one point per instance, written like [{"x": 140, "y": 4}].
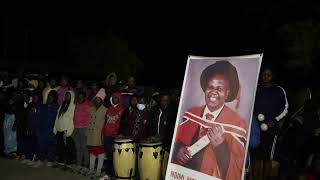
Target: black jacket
[{"x": 167, "y": 123}]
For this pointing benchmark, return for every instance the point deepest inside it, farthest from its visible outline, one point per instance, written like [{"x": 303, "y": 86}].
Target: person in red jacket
[
  {"x": 224, "y": 131},
  {"x": 112, "y": 124},
  {"x": 137, "y": 120}
]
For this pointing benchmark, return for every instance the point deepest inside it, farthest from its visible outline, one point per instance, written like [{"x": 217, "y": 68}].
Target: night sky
[{"x": 162, "y": 38}]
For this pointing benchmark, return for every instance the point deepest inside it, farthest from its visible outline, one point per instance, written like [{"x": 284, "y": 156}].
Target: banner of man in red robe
[{"x": 212, "y": 129}]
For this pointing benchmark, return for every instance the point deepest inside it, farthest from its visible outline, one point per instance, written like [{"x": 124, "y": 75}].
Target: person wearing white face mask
[{"x": 137, "y": 120}]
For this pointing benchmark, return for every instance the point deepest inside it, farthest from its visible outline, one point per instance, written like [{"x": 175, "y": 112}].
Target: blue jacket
[
  {"x": 254, "y": 140},
  {"x": 48, "y": 114}
]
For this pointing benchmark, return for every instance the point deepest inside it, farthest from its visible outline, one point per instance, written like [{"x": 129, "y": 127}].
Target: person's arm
[
  {"x": 150, "y": 131},
  {"x": 124, "y": 122},
  {"x": 282, "y": 104},
  {"x": 70, "y": 117}
]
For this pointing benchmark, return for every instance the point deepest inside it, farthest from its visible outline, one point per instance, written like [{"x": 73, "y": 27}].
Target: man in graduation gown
[{"x": 223, "y": 157}]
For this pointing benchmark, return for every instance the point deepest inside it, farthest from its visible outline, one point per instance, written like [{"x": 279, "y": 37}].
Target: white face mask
[{"x": 141, "y": 107}]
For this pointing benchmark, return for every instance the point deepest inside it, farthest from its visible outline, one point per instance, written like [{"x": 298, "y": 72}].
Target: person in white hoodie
[{"x": 63, "y": 129}]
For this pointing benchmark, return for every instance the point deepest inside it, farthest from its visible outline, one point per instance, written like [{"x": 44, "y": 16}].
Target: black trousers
[{"x": 65, "y": 149}]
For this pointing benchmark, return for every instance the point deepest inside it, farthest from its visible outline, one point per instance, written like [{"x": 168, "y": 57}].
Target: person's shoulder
[{"x": 280, "y": 89}]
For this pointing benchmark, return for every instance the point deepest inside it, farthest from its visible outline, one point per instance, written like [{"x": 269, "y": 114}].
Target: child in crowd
[
  {"x": 21, "y": 102},
  {"x": 81, "y": 118},
  {"x": 94, "y": 139},
  {"x": 137, "y": 120},
  {"x": 127, "y": 113},
  {"x": 63, "y": 128},
  {"x": 32, "y": 121},
  {"x": 112, "y": 125},
  {"x": 44, "y": 133},
  {"x": 9, "y": 132}
]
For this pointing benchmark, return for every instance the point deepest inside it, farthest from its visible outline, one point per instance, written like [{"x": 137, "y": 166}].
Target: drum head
[
  {"x": 151, "y": 141},
  {"x": 123, "y": 139}
]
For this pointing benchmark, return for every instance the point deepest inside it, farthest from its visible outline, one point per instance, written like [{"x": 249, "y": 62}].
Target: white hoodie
[{"x": 64, "y": 123}]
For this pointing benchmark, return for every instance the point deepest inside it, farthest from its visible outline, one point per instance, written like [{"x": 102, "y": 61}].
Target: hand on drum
[
  {"x": 215, "y": 135},
  {"x": 183, "y": 155}
]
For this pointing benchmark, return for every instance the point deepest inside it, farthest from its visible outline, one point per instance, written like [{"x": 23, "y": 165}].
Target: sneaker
[
  {"x": 49, "y": 164},
  {"x": 84, "y": 171},
  {"x": 31, "y": 163},
  {"x": 76, "y": 169},
  {"x": 61, "y": 163},
  {"x": 97, "y": 174},
  {"x": 90, "y": 172},
  {"x": 105, "y": 177},
  {"x": 17, "y": 158},
  {"x": 24, "y": 161},
  {"x": 37, "y": 164}
]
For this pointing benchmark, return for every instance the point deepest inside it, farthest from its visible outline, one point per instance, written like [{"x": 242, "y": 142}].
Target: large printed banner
[{"x": 212, "y": 130}]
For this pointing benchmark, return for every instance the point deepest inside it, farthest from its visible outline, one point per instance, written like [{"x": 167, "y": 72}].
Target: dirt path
[{"x": 13, "y": 170}]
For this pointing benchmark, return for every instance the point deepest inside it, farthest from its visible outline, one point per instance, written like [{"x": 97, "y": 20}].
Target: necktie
[
  {"x": 209, "y": 116},
  {"x": 203, "y": 131}
]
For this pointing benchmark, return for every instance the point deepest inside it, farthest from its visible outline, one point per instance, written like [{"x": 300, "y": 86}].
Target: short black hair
[
  {"x": 226, "y": 69},
  {"x": 54, "y": 94}
]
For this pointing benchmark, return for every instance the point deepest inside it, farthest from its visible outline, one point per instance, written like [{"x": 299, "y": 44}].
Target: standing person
[
  {"x": 112, "y": 124},
  {"x": 65, "y": 87},
  {"x": 223, "y": 157},
  {"x": 127, "y": 113},
  {"x": 63, "y": 128},
  {"x": 271, "y": 102},
  {"x": 81, "y": 118},
  {"x": 21, "y": 111},
  {"x": 44, "y": 130},
  {"x": 94, "y": 133},
  {"x": 137, "y": 120},
  {"x": 162, "y": 120},
  {"x": 3, "y": 101},
  {"x": 51, "y": 85},
  {"x": 32, "y": 121},
  {"x": 9, "y": 132}
]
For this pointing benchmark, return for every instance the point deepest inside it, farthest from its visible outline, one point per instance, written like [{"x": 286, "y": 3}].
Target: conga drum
[
  {"x": 165, "y": 163},
  {"x": 124, "y": 157},
  {"x": 150, "y": 159}
]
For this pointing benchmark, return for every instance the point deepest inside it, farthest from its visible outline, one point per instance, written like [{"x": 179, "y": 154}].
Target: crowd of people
[{"x": 52, "y": 121}]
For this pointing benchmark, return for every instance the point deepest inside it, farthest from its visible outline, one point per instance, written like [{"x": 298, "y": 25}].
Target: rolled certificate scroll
[{"x": 197, "y": 146}]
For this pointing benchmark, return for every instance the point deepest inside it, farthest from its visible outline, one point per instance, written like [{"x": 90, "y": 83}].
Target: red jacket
[
  {"x": 81, "y": 114},
  {"x": 133, "y": 115},
  {"x": 206, "y": 160},
  {"x": 113, "y": 118}
]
